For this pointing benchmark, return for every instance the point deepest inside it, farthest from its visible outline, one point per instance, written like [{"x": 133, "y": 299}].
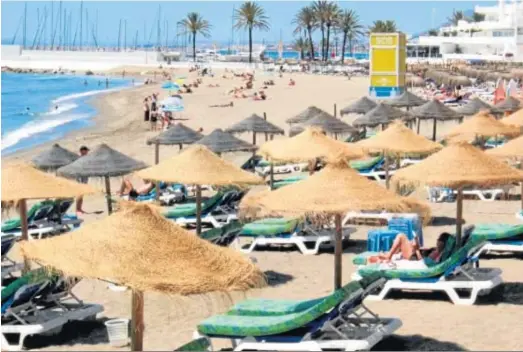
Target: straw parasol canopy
[
  {"x": 458, "y": 166},
  {"x": 330, "y": 124},
  {"x": 305, "y": 115},
  {"x": 397, "y": 139},
  {"x": 332, "y": 191},
  {"x": 22, "y": 181},
  {"x": 255, "y": 124},
  {"x": 153, "y": 253},
  {"x": 222, "y": 142},
  {"x": 406, "y": 100},
  {"x": 483, "y": 124},
  {"x": 473, "y": 107},
  {"x": 177, "y": 134},
  {"x": 514, "y": 119},
  {"x": 139, "y": 248},
  {"x": 102, "y": 162},
  {"x": 54, "y": 158},
  {"x": 295, "y": 130},
  {"x": 380, "y": 115},
  {"x": 511, "y": 149},
  {"x": 509, "y": 104},
  {"x": 434, "y": 110},
  {"x": 361, "y": 106},
  {"x": 197, "y": 165},
  {"x": 306, "y": 146}
]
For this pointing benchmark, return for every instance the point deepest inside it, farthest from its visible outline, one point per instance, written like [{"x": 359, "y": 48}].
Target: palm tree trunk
[
  {"x": 309, "y": 30},
  {"x": 350, "y": 46},
  {"x": 343, "y": 47},
  {"x": 250, "y": 44},
  {"x": 322, "y": 43},
  {"x": 194, "y": 46},
  {"x": 327, "y": 45}
]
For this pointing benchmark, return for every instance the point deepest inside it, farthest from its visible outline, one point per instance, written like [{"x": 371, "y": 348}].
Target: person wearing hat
[{"x": 80, "y": 200}]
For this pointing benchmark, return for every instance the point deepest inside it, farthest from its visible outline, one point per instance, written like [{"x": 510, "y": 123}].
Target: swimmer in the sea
[{"x": 85, "y": 82}]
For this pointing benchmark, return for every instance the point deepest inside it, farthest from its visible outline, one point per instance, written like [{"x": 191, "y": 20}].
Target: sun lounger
[
  {"x": 335, "y": 322},
  {"x": 197, "y": 345},
  {"x": 263, "y": 168},
  {"x": 440, "y": 194},
  {"x": 223, "y": 236},
  {"x": 371, "y": 168},
  {"x": 487, "y": 195},
  {"x": 453, "y": 274},
  {"x": 39, "y": 210},
  {"x": 500, "y": 237},
  {"x": 9, "y": 266},
  {"x": 520, "y": 214},
  {"x": 283, "y": 231},
  {"x": 27, "y": 311},
  {"x": 287, "y": 181}
]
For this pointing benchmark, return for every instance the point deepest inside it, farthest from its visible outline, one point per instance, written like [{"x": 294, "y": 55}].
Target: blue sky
[{"x": 411, "y": 17}]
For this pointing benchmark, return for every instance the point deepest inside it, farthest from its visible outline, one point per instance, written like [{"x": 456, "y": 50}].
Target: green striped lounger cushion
[
  {"x": 269, "y": 307},
  {"x": 201, "y": 344},
  {"x": 269, "y": 227},
  {"x": 189, "y": 209},
  {"x": 365, "y": 164},
  {"x": 498, "y": 231},
  {"x": 430, "y": 272}
]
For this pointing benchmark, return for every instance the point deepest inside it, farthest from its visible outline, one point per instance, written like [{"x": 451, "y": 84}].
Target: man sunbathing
[
  {"x": 407, "y": 254},
  {"x": 127, "y": 189}
]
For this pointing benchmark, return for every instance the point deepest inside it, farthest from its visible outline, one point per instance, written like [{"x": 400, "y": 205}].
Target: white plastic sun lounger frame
[
  {"x": 499, "y": 247},
  {"x": 297, "y": 239},
  {"x": 371, "y": 215},
  {"x": 216, "y": 220},
  {"x": 450, "y": 287},
  {"x": 486, "y": 195},
  {"x": 281, "y": 169}
]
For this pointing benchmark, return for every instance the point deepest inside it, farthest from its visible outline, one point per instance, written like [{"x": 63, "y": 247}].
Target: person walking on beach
[
  {"x": 154, "y": 113},
  {"x": 107, "y": 83},
  {"x": 146, "y": 111},
  {"x": 80, "y": 200}
]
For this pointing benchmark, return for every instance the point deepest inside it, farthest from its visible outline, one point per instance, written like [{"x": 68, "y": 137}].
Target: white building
[{"x": 498, "y": 37}]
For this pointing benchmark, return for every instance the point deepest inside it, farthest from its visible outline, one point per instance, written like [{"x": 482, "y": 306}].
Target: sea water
[
  {"x": 39, "y": 108},
  {"x": 295, "y": 55}
]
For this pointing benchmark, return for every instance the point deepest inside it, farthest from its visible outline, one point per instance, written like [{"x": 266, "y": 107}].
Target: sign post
[{"x": 387, "y": 65}]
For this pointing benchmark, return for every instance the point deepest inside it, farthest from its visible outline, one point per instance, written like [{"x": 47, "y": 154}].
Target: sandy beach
[{"x": 430, "y": 321}]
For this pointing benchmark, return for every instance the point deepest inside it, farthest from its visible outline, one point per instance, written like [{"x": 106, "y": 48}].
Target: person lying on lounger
[
  {"x": 127, "y": 189},
  {"x": 410, "y": 254}
]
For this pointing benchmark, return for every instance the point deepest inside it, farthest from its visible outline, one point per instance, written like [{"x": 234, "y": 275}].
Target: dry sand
[{"x": 430, "y": 322}]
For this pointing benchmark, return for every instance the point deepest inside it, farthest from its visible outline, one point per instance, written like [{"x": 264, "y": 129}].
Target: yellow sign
[
  {"x": 384, "y": 81},
  {"x": 384, "y": 60},
  {"x": 384, "y": 40}
]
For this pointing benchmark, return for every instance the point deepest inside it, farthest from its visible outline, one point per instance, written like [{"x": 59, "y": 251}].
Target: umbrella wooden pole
[
  {"x": 271, "y": 179},
  {"x": 386, "y": 166},
  {"x": 521, "y": 195},
  {"x": 335, "y": 111},
  {"x": 137, "y": 323},
  {"x": 156, "y": 153},
  {"x": 338, "y": 249},
  {"x": 434, "y": 131},
  {"x": 22, "y": 208},
  {"x": 266, "y": 134},
  {"x": 198, "y": 210},
  {"x": 254, "y": 138},
  {"x": 108, "y": 195},
  {"x": 459, "y": 216},
  {"x": 418, "y": 125}
]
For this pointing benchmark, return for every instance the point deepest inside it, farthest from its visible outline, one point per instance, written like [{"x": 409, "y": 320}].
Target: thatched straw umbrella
[
  {"x": 295, "y": 130},
  {"x": 508, "y": 105},
  {"x": 102, "y": 162},
  {"x": 330, "y": 124},
  {"x": 361, "y": 106},
  {"x": 138, "y": 248},
  {"x": 333, "y": 191},
  {"x": 54, "y": 158},
  {"x": 514, "y": 119},
  {"x": 473, "y": 107},
  {"x": 382, "y": 114},
  {"x": 434, "y": 110},
  {"x": 179, "y": 134},
  {"x": 197, "y": 165},
  {"x": 511, "y": 149},
  {"x": 255, "y": 124},
  {"x": 21, "y": 182},
  {"x": 305, "y": 115},
  {"x": 398, "y": 140},
  {"x": 220, "y": 142},
  {"x": 482, "y": 125},
  {"x": 406, "y": 100},
  {"x": 458, "y": 166}
]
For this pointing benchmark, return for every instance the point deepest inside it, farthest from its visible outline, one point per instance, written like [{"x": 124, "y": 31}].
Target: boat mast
[
  {"x": 124, "y": 35},
  {"x": 119, "y": 33},
  {"x": 25, "y": 26},
  {"x": 52, "y": 21},
  {"x": 158, "y": 40},
  {"x": 232, "y": 31},
  {"x": 17, "y": 29}
]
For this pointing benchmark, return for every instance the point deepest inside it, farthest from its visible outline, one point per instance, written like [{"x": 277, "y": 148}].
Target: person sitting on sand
[
  {"x": 407, "y": 254},
  {"x": 256, "y": 97},
  {"x": 230, "y": 105},
  {"x": 292, "y": 82},
  {"x": 127, "y": 189},
  {"x": 248, "y": 85},
  {"x": 210, "y": 85},
  {"x": 262, "y": 95}
]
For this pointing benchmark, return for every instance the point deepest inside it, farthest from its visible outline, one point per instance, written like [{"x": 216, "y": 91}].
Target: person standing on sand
[
  {"x": 146, "y": 111},
  {"x": 80, "y": 200},
  {"x": 107, "y": 83}
]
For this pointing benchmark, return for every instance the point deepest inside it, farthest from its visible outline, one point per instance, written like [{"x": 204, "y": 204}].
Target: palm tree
[
  {"x": 251, "y": 16},
  {"x": 332, "y": 12},
  {"x": 194, "y": 24},
  {"x": 305, "y": 20},
  {"x": 478, "y": 17},
  {"x": 383, "y": 27},
  {"x": 319, "y": 8},
  {"x": 300, "y": 45},
  {"x": 348, "y": 23},
  {"x": 456, "y": 16}
]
